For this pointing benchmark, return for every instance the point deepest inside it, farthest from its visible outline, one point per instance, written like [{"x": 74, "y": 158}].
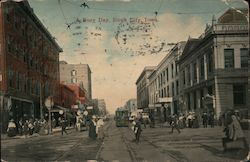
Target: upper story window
[
  {"x": 210, "y": 62},
  {"x": 202, "y": 68},
  {"x": 167, "y": 74},
  {"x": 244, "y": 57},
  {"x": 229, "y": 58},
  {"x": 172, "y": 70},
  {"x": 73, "y": 73},
  {"x": 194, "y": 72}
]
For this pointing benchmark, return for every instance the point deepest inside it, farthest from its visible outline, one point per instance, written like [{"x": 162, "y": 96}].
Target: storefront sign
[{"x": 231, "y": 27}]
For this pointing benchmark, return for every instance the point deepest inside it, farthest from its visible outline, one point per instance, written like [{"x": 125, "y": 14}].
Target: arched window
[{"x": 73, "y": 72}]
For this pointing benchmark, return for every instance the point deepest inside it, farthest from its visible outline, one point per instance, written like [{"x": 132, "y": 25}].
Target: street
[{"x": 156, "y": 144}]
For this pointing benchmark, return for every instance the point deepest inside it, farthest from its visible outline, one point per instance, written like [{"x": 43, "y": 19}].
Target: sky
[{"x": 118, "y": 38}]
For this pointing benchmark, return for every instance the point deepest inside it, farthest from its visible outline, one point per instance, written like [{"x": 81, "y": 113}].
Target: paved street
[{"x": 157, "y": 144}]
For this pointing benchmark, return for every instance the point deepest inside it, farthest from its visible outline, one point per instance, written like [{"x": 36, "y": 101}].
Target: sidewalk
[{"x": 54, "y": 130}]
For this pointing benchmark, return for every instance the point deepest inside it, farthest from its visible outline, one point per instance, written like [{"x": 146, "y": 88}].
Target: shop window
[
  {"x": 239, "y": 94},
  {"x": 229, "y": 58}
]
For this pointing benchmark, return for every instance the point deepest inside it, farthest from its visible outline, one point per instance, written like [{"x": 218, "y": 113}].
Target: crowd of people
[
  {"x": 27, "y": 127},
  {"x": 95, "y": 127}
]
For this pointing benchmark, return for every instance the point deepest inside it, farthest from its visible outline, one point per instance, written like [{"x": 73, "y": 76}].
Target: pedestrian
[
  {"x": 211, "y": 119},
  {"x": 99, "y": 129},
  {"x": 11, "y": 130},
  {"x": 36, "y": 126},
  {"x": 233, "y": 132},
  {"x": 30, "y": 127},
  {"x": 190, "y": 120},
  {"x": 204, "y": 119},
  {"x": 20, "y": 127},
  {"x": 26, "y": 128},
  {"x": 92, "y": 128},
  {"x": 137, "y": 130},
  {"x": 142, "y": 120},
  {"x": 64, "y": 125},
  {"x": 175, "y": 124},
  {"x": 152, "y": 120}
]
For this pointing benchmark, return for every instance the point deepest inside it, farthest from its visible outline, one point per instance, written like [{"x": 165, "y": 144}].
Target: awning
[{"x": 57, "y": 108}]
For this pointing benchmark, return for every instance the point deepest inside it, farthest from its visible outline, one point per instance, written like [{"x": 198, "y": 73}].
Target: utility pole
[{"x": 41, "y": 102}]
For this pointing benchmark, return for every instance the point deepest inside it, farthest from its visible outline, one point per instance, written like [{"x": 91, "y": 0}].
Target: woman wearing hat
[
  {"x": 92, "y": 128},
  {"x": 11, "y": 131}
]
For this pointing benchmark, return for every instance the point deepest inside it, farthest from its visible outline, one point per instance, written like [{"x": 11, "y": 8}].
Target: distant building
[
  {"x": 142, "y": 88},
  {"x": 80, "y": 98},
  {"x": 79, "y": 74},
  {"x": 215, "y": 67},
  {"x": 68, "y": 96},
  {"x": 102, "y": 107},
  {"x": 131, "y": 105},
  {"x": 29, "y": 62},
  {"x": 164, "y": 84}
]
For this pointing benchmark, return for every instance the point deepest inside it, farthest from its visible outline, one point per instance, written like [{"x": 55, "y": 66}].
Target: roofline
[
  {"x": 146, "y": 68},
  {"x": 30, "y": 13}
]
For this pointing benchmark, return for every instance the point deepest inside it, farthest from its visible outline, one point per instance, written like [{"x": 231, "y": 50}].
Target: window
[
  {"x": 188, "y": 101},
  {"x": 10, "y": 78},
  {"x": 244, "y": 57},
  {"x": 210, "y": 62},
  {"x": 172, "y": 70},
  {"x": 189, "y": 73},
  {"x": 18, "y": 81},
  {"x": 167, "y": 91},
  {"x": 73, "y": 73},
  {"x": 210, "y": 90},
  {"x": 201, "y": 98},
  {"x": 73, "y": 80},
  {"x": 229, "y": 58},
  {"x": 194, "y": 72},
  {"x": 177, "y": 87},
  {"x": 239, "y": 94},
  {"x": 202, "y": 68},
  {"x": 176, "y": 68},
  {"x": 194, "y": 98},
  {"x": 167, "y": 73},
  {"x": 173, "y": 89},
  {"x": 183, "y": 74}
]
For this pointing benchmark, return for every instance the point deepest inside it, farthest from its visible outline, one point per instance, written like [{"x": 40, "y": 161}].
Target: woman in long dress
[{"x": 92, "y": 128}]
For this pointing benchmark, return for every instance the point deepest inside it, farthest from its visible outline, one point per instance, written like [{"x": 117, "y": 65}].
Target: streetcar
[{"x": 122, "y": 118}]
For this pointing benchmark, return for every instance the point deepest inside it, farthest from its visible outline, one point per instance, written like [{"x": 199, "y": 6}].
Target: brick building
[
  {"x": 68, "y": 96},
  {"x": 29, "y": 62},
  {"x": 79, "y": 74}
]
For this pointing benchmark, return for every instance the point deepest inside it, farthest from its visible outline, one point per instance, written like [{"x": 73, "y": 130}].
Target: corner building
[
  {"x": 29, "y": 63},
  {"x": 214, "y": 67}
]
